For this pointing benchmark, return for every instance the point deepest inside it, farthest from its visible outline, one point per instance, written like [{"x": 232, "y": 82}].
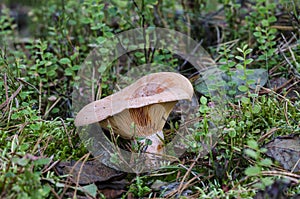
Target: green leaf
[
  {"x": 251, "y": 81},
  {"x": 14, "y": 144},
  {"x": 249, "y": 72},
  {"x": 20, "y": 161},
  {"x": 65, "y": 61},
  {"x": 139, "y": 54},
  {"x": 239, "y": 58},
  {"x": 42, "y": 161},
  {"x": 245, "y": 100},
  {"x": 239, "y": 67},
  {"x": 69, "y": 72},
  {"x": 90, "y": 189},
  {"x": 42, "y": 70},
  {"x": 272, "y": 19},
  {"x": 245, "y": 47},
  {"x": 272, "y": 31},
  {"x": 272, "y": 37},
  {"x": 256, "y": 108},
  {"x": 232, "y": 132},
  {"x": 86, "y": 20},
  {"x": 251, "y": 153},
  {"x": 267, "y": 181},
  {"x": 51, "y": 73},
  {"x": 55, "y": 110},
  {"x": 148, "y": 142},
  {"x": 265, "y": 23},
  {"x": 232, "y": 123},
  {"x": 203, "y": 109},
  {"x": 232, "y": 92},
  {"x": 240, "y": 50},
  {"x": 9, "y": 174},
  {"x": 248, "y": 61},
  {"x": 248, "y": 51},
  {"x": 224, "y": 67},
  {"x": 266, "y": 162},
  {"x": 252, "y": 144},
  {"x": 35, "y": 126},
  {"x": 258, "y": 28},
  {"x": 248, "y": 122},
  {"x": 101, "y": 40},
  {"x": 203, "y": 100},
  {"x": 231, "y": 64},
  {"x": 102, "y": 69},
  {"x": 104, "y": 50},
  {"x": 75, "y": 68},
  {"x": 262, "y": 47},
  {"x": 243, "y": 88},
  {"x": 120, "y": 3},
  {"x": 114, "y": 158},
  {"x": 108, "y": 34},
  {"x": 223, "y": 60},
  {"x": 257, "y": 34},
  {"x": 253, "y": 171},
  {"x": 248, "y": 115},
  {"x": 97, "y": 26}
]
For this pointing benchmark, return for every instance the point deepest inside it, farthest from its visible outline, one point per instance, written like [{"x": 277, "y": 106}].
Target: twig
[
  {"x": 267, "y": 90},
  {"x": 126, "y": 51},
  {"x": 29, "y": 84},
  {"x": 40, "y": 96},
  {"x": 230, "y": 43},
  {"x": 189, "y": 56},
  {"x": 295, "y": 72},
  {"x": 295, "y": 166},
  {"x": 268, "y": 134},
  {"x": 6, "y": 89},
  {"x": 8, "y": 99},
  {"x": 53, "y": 105},
  {"x": 69, "y": 179},
  {"x": 86, "y": 156},
  {"x": 54, "y": 193},
  {"x": 290, "y": 86},
  {"x": 181, "y": 186},
  {"x": 293, "y": 177},
  {"x": 195, "y": 175},
  {"x": 285, "y": 113},
  {"x": 69, "y": 137},
  {"x": 50, "y": 167},
  {"x": 93, "y": 85},
  {"x": 154, "y": 48},
  {"x": 158, "y": 14},
  {"x": 141, "y": 13}
]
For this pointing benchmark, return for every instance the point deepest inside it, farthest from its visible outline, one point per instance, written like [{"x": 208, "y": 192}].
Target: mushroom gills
[{"x": 147, "y": 121}]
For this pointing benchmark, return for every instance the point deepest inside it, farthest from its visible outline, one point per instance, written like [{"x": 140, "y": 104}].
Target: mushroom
[{"x": 141, "y": 109}]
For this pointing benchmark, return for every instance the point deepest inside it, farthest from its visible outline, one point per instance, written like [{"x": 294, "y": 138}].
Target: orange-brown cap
[{"x": 151, "y": 89}]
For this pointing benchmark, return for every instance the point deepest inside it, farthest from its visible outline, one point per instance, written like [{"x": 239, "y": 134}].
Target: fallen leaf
[
  {"x": 117, "y": 185},
  {"x": 286, "y": 150},
  {"x": 112, "y": 193},
  {"x": 91, "y": 172},
  {"x": 276, "y": 83},
  {"x": 276, "y": 190}
]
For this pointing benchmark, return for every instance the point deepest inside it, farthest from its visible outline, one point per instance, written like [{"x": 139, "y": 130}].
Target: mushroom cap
[{"x": 154, "y": 88}]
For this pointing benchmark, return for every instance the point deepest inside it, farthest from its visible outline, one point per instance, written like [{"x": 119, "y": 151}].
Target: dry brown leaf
[
  {"x": 286, "y": 150},
  {"x": 112, "y": 193},
  {"x": 92, "y": 171}
]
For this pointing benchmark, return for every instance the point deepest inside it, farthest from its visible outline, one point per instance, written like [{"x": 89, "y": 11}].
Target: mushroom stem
[{"x": 156, "y": 145}]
